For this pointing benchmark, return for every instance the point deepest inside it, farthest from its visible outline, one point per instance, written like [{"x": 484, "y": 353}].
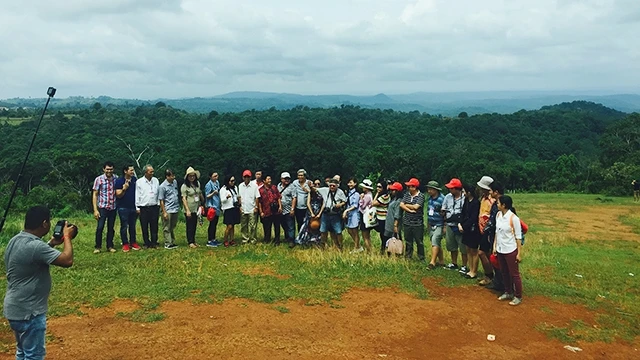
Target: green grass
[{"x": 277, "y": 274}]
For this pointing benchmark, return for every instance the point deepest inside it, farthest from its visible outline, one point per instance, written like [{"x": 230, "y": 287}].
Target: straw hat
[{"x": 191, "y": 170}]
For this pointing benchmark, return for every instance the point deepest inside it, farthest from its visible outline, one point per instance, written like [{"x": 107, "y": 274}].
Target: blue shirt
[
  {"x": 213, "y": 201},
  {"x": 128, "y": 200},
  {"x": 168, "y": 192},
  {"x": 434, "y": 207}
]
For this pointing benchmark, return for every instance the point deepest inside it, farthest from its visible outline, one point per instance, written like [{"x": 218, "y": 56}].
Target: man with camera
[
  {"x": 27, "y": 259},
  {"x": 331, "y": 221}
]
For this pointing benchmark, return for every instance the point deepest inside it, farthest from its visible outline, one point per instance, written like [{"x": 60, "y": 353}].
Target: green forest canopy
[{"x": 571, "y": 147}]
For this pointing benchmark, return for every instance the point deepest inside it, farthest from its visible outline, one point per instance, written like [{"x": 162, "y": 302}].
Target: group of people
[{"x": 472, "y": 222}]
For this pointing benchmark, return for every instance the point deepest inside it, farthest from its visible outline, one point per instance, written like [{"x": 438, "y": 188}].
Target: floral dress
[{"x": 306, "y": 236}]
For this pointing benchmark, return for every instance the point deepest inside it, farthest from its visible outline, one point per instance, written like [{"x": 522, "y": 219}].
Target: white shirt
[
  {"x": 226, "y": 202},
  {"x": 248, "y": 194},
  {"x": 146, "y": 192},
  {"x": 506, "y": 235}
]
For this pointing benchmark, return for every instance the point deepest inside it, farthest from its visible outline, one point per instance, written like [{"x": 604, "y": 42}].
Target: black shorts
[
  {"x": 485, "y": 245},
  {"x": 231, "y": 216}
]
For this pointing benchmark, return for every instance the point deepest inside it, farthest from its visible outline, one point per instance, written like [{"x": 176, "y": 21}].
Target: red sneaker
[
  {"x": 125, "y": 248},
  {"x": 135, "y": 246}
]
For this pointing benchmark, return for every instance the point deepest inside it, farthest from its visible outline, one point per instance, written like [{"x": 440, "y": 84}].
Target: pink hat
[{"x": 246, "y": 173}]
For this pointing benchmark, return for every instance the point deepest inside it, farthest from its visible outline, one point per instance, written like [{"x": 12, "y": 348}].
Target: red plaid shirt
[{"x": 106, "y": 192}]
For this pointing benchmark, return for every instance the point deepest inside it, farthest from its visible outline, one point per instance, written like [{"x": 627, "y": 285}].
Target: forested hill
[{"x": 577, "y": 146}]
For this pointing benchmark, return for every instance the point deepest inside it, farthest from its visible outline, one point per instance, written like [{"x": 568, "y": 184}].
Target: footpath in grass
[{"x": 585, "y": 269}]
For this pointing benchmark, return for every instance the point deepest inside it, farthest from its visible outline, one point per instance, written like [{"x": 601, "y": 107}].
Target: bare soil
[{"x": 365, "y": 324}]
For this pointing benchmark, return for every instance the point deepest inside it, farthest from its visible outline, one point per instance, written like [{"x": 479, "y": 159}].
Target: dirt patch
[
  {"x": 369, "y": 324},
  {"x": 264, "y": 271},
  {"x": 590, "y": 223}
]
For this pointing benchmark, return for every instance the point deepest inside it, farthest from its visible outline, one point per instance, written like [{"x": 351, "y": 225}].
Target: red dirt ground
[{"x": 365, "y": 324}]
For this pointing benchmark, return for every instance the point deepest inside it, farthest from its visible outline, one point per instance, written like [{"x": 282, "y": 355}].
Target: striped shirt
[
  {"x": 417, "y": 218},
  {"x": 381, "y": 210},
  {"x": 106, "y": 192}
]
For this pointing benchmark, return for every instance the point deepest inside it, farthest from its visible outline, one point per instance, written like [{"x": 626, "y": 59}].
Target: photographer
[
  {"x": 27, "y": 259},
  {"x": 330, "y": 220},
  {"x": 452, "y": 212}
]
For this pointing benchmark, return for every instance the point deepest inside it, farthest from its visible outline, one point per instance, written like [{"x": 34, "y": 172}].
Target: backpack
[{"x": 523, "y": 226}]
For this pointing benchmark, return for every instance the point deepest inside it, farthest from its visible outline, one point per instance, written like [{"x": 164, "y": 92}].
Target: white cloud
[{"x": 173, "y": 48}]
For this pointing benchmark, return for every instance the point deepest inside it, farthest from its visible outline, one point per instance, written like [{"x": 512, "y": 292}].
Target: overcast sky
[{"x": 170, "y": 48}]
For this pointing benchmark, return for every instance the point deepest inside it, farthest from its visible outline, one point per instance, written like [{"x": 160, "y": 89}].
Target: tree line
[{"x": 570, "y": 147}]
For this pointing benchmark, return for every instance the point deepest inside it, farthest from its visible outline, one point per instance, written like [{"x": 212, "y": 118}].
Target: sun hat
[
  {"x": 191, "y": 170},
  {"x": 413, "y": 182},
  {"x": 366, "y": 184},
  {"x": 484, "y": 182},
  {"x": 314, "y": 224},
  {"x": 285, "y": 175},
  {"x": 334, "y": 181},
  {"x": 211, "y": 214},
  {"x": 395, "y": 186},
  {"x": 454, "y": 184},
  {"x": 246, "y": 173},
  {"x": 434, "y": 185}
]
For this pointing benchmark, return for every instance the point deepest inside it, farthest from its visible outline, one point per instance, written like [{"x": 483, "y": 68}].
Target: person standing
[
  {"x": 212, "y": 195},
  {"x": 413, "y": 220},
  {"x": 381, "y": 202},
  {"x": 249, "y": 195},
  {"x": 126, "y": 205},
  {"x": 365, "y": 204},
  {"x": 230, "y": 204},
  {"x": 270, "y": 208},
  {"x": 436, "y": 223},
  {"x": 351, "y": 216},
  {"x": 508, "y": 247},
  {"x": 636, "y": 190},
  {"x": 497, "y": 190},
  {"x": 470, "y": 229},
  {"x": 394, "y": 215},
  {"x": 452, "y": 210},
  {"x": 104, "y": 206},
  {"x": 330, "y": 220},
  {"x": 147, "y": 206},
  {"x": 288, "y": 198},
  {"x": 191, "y": 200},
  {"x": 170, "y": 206},
  {"x": 484, "y": 251},
  {"x": 302, "y": 187},
  {"x": 27, "y": 259}
]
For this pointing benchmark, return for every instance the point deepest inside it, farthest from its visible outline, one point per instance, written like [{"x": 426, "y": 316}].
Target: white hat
[
  {"x": 285, "y": 175},
  {"x": 484, "y": 182},
  {"x": 367, "y": 184}
]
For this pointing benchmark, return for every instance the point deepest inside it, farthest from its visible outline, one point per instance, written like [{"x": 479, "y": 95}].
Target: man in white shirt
[
  {"x": 147, "y": 206},
  {"x": 249, "y": 195}
]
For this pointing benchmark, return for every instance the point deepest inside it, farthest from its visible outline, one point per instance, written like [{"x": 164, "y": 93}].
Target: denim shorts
[
  {"x": 353, "y": 219},
  {"x": 30, "y": 337},
  {"x": 436, "y": 235},
  {"x": 330, "y": 223}
]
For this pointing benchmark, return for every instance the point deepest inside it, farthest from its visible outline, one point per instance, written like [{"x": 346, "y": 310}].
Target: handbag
[
  {"x": 395, "y": 246},
  {"x": 370, "y": 218}
]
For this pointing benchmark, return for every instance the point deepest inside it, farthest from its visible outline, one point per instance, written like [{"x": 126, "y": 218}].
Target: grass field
[{"x": 581, "y": 249}]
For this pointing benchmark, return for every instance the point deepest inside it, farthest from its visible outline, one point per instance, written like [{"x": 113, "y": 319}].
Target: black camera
[
  {"x": 236, "y": 204},
  {"x": 58, "y": 230},
  {"x": 51, "y": 91}
]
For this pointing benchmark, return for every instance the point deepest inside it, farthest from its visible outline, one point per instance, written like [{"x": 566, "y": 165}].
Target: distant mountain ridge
[{"x": 448, "y": 104}]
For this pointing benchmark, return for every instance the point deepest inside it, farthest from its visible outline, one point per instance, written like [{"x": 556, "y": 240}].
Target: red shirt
[{"x": 268, "y": 196}]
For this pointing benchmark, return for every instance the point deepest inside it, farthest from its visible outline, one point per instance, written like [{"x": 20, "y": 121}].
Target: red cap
[
  {"x": 246, "y": 173},
  {"x": 395, "y": 186},
  {"x": 454, "y": 183},
  {"x": 413, "y": 182}
]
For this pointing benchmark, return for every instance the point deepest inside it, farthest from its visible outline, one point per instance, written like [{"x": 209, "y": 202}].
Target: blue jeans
[
  {"x": 108, "y": 216},
  {"x": 128, "y": 219},
  {"x": 30, "y": 337},
  {"x": 288, "y": 227}
]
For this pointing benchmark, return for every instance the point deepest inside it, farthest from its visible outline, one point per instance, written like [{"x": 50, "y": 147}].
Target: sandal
[
  {"x": 467, "y": 276},
  {"x": 484, "y": 282},
  {"x": 431, "y": 266},
  {"x": 193, "y": 245}
]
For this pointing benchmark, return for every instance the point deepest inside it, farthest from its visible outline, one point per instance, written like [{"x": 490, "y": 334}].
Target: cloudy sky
[{"x": 170, "y": 48}]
